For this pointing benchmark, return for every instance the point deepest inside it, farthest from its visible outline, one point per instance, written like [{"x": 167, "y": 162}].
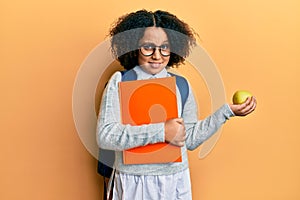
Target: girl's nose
[{"x": 156, "y": 55}]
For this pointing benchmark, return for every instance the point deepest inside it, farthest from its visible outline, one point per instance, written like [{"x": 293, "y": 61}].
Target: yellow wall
[{"x": 254, "y": 43}]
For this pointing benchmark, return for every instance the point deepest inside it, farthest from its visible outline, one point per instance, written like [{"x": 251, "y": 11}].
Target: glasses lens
[
  {"x": 147, "y": 49},
  {"x": 164, "y": 50}
]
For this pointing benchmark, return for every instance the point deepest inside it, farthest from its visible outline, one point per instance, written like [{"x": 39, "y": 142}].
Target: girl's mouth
[{"x": 155, "y": 65}]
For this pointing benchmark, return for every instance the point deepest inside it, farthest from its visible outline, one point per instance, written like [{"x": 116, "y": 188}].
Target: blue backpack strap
[
  {"x": 129, "y": 75},
  {"x": 183, "y": 87},
  {"x": 106, "y": 159}
]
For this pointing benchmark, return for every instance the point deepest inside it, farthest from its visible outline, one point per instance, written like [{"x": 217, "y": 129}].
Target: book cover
[{"x": 145, "y": 102}]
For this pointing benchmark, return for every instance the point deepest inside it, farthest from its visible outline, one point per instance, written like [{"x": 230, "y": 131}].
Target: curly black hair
[{"x": 129, "y": 29}]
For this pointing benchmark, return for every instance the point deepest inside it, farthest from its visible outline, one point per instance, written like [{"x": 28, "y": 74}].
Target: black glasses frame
[{"x": 154, "y": 49}]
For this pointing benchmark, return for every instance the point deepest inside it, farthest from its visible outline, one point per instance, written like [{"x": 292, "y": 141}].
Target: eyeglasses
[{"x": 149, "y": 49}]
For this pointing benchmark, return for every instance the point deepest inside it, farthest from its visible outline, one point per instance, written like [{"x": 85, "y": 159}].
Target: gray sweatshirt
[{"x": 113, "y": 135}]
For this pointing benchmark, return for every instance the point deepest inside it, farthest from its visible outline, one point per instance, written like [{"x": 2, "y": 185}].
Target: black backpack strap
[{"x": 104, "y": 189}]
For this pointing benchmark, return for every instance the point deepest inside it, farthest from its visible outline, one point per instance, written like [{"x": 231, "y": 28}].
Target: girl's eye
[{"x": 148, "y": 46}]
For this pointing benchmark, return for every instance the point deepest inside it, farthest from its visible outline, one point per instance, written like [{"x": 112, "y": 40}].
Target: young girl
[{"x": 148, "y": 49}]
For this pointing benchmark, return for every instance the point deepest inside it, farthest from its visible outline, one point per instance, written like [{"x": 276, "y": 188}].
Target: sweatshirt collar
[{"x": 142, "y": 75}]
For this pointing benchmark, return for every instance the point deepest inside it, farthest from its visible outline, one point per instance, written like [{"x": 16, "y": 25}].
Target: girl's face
[{"x": 154, "y": 41}]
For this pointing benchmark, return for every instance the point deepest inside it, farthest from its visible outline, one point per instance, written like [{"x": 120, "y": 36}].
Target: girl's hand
[
  {"x": 244, "y": 108},
  {"x": 175, "y": 132}
]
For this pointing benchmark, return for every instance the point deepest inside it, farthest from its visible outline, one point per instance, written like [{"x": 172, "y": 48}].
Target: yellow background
[{"x": 255, "y": 45}]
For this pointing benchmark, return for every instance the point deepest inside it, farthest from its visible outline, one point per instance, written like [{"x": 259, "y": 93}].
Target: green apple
[{"x": 240, "y": 96}]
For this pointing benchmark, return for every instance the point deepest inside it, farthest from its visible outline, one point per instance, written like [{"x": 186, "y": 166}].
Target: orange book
[{"x": 145, "y": 102}]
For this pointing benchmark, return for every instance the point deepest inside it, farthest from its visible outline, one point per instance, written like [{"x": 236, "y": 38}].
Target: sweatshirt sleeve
[
  {"x": 199, "y": 131},
  {"x": 112, "y": 134}
]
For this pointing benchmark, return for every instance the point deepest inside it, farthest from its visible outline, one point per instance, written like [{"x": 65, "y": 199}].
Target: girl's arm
[{"x": 198, "y": 131}]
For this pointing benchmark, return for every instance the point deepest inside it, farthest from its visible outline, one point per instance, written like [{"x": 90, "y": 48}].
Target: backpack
[{"x": 108, "y": 156}]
